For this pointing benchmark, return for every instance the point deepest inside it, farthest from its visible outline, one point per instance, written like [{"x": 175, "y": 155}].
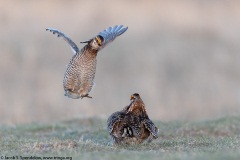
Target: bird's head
[
  {"x": 137, "y": 106},
  {"x": 134, "y": 97},
  {"x": 96, "y": 42}
]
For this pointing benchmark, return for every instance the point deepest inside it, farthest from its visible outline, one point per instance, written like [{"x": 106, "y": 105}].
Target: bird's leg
[
  {"x": 88, "y": 96},
  {"x": 83, "y": 94}
]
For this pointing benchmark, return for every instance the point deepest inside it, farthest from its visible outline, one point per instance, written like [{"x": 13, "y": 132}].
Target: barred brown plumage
[
  {"x": 132, "y": 124},
  {"x": 79, "y": 76}
]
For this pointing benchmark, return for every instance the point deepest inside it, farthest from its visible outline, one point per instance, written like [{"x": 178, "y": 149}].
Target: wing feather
[
  {"x": 114, "y": 119},
  {"x": 73, "y": 46},
  {"x": 151, "y": 127},
  {"x": 111, "y": 33}
]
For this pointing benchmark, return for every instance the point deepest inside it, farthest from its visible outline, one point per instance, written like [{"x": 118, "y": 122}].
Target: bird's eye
[{"x": 98, "y": 40}]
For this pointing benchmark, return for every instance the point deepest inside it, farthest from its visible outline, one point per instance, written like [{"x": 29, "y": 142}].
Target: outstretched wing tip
[
  {"x": 73, "y": 46},
  {"x": 49, "y": 29},
  {"x": 112, "y": 33},
  {"x": 52, "y": 30}
]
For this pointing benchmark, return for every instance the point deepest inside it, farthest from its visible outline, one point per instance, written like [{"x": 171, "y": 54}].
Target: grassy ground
[{"x": 88, "y": 139}]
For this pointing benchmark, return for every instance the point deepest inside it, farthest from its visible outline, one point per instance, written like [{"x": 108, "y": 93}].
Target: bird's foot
[{"x": 86, "y": 96}]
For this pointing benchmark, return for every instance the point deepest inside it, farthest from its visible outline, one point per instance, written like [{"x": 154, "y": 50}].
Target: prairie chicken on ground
[
  {"x": 80, "y": 72},
  {"x": 131, "y": 125}
]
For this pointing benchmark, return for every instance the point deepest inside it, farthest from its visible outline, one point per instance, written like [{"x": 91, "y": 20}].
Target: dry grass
[{"x": 88, "y": 139}]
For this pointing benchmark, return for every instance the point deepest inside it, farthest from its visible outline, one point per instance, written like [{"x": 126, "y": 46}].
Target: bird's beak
[
  {"x": 132, "y": 97},
  {"x": 85, "y": 41}
]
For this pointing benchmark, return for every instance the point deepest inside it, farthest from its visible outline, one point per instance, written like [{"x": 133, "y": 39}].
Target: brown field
[{"x": 183, "y": 57}]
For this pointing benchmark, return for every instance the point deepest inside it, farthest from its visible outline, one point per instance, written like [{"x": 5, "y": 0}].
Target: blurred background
[{"x": 182, "y": 57}]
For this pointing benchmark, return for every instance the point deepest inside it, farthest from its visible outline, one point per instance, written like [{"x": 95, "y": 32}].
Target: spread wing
[
  {"x": 111, "y": 33},
  {"x": 113, "y": 120},
  {"x": 151, "y": 127},
  {"x": 73, "y": 46}
]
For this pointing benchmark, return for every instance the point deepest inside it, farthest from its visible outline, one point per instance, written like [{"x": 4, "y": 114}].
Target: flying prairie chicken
[
  {"x": 79, "y": 76},
  {"x": 131, "y": 125}
]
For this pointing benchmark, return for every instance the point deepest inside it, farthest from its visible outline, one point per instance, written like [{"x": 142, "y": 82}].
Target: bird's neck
[{"x": 89, "y": 51}]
